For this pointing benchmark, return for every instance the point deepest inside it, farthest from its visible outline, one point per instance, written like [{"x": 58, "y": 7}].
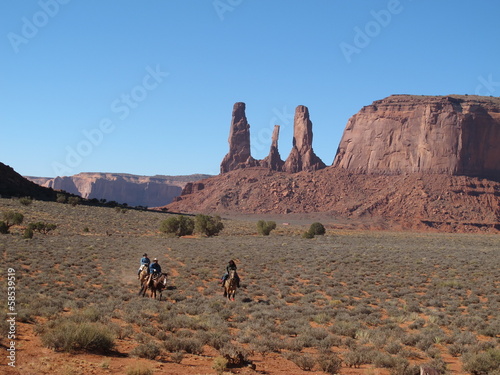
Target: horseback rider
[
  {"x": 231, "y": 266},
  {"x": 154, "y": 271},
  {"x": 155, "y": 268},
  {"x": 144, "y": 262}
]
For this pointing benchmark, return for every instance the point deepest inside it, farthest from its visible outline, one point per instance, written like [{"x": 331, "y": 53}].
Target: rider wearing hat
[
  {"x": 155, "y": 268},
  {"x": 144, "y": 262},
  {"x": 231, "y": 266}
]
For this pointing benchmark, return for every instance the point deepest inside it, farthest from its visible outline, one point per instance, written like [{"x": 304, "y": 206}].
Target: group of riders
[{"x": 154, "y": 270}]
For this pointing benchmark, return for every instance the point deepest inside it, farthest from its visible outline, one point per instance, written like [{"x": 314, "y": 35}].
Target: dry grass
[{"x": 378, "y": 298}]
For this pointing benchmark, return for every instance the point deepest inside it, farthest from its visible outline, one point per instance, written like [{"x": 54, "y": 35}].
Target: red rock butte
[
  {"x": 413, "y": 162},
  {"x": 457, "y": 135}
]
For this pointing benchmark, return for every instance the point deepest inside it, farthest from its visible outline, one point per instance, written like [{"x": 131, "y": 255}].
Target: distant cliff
[{"x": 149, "y": 191}]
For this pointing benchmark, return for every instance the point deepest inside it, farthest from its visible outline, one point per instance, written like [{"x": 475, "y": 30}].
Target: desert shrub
[
  {"x": 457, "y": 349},
  {"x": 28, "y": 233},
  {"x": 394, "y": 347},
  {"x": 304, "y": 361},
  {"x": 4, "y": 229},
  {"x": 208, "y": 225},
  {"x": 219, "y": 365},
  {"x": 149, "y": 350},
  {"x": 344, "y": 328},
  {"x": 482, "y": 363},
  {"x": 26, "y": 201},
  {"x": 70, "y": 336},
  {"x": 138, "y": 370},
  {"x": 235, "y": 356},
  {"x": 177, "y": 357},
  {"x": 307, "y": 234},
  {"x": 42, "y": 227},
  {"x": 265, "y": 227},
  {"x": 401, "y": 366},
  {"x": 189, "y": 345},
  {"x": 74, "y": 201},
  {"x": 178, "y": 225},
  {"x": 357, "y": 357},
  {"x": 329, "y": 363},
  {"x": 12, "y": 218},
  {"x": 61, "y": 198},
  {"x": 217, "y": 339},
  {"x": 317, "y": 229},
  {"x": 89, "y": 314}
]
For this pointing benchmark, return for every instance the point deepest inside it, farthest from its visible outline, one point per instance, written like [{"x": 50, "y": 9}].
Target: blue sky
[{"x": 147, "y": 87}]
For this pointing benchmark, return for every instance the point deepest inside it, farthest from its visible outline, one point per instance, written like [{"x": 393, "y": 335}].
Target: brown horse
[
  {"x": 143, "y": 277},
  {"x": 230, "y": 285},
  {"x": 157, "y": 285}
]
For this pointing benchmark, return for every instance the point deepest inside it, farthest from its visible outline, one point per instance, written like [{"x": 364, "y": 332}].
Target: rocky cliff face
[
  {"x": 302, "y": 156},
  {"x": 456, "y": 135},
  {"x": 122, "y": 188}
]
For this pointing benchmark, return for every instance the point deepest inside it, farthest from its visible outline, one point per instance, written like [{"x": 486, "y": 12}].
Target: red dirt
[{"x": 32, "y": 358}]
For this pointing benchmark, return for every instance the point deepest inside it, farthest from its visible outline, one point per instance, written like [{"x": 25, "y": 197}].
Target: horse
[
  {"x": 143, "y": 276},
  {"x": 230, "y": 285},
  {"x": 157, "y": 285}
]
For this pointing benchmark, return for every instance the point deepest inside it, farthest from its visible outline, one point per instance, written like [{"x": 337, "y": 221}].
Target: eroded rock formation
[
  {"x": 457, "y": 135},
  {"x": 302, "y": 156},
  {"x": 239, "y": 142},
  {"x": 273, "y": 160}
]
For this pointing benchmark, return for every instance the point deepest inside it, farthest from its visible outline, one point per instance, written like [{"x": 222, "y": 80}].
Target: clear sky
[{"x": 147, "y": 87}]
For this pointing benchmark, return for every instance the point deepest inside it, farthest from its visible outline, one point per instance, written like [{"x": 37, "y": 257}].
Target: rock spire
[
  {"x": 273, "y": 160},
  {"x": 302, "y": 156},
  {"x": 239, "y": 142}
]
